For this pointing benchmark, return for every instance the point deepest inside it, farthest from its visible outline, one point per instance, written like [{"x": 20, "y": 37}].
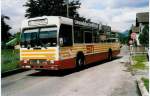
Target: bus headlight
[{"x": 25, "y": 61}]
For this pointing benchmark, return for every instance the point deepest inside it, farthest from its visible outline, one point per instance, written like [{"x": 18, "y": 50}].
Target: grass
[
  {"x": 146, "y": 83},
  {"x": 139, "y": 61},
  {"x": 9, "y": 59},
  {"x": 140, "y": 58}
]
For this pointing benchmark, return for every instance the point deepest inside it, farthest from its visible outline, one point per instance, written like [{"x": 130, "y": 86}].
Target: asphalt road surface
[{"x": 102, "y": 79}]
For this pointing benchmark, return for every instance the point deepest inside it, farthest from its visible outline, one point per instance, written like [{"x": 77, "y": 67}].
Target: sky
[{"x": 119, "y": 14}]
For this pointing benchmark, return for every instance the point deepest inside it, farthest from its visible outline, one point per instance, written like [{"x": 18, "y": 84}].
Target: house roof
[{"x": 142, "y": 17}]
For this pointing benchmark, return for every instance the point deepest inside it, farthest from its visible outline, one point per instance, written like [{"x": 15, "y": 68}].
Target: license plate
[{"x": 27, "y": 66}]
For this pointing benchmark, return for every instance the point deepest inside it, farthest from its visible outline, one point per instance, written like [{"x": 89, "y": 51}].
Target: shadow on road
[
  {"x": 61, "y": 73},
  {"x": 12, "y": 72}
]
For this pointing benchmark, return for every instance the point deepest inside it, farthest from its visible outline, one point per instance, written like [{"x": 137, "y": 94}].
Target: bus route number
[{"x": 89, "y": 48}]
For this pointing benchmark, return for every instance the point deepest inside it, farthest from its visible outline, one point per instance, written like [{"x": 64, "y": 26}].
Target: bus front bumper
[{"x": 41, "y": 66}]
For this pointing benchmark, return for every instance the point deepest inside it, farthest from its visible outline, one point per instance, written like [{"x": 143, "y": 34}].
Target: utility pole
[{"x": 67, "y": 1}]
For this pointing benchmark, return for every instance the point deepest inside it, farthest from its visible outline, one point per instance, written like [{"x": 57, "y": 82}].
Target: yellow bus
[{"x": 54, "y": 43}]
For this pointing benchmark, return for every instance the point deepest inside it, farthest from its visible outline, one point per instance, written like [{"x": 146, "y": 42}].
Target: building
[{"x": 142, "y": 19}]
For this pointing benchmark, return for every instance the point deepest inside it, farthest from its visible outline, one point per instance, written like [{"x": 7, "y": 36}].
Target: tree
[
  {"x": 73, "y": 6},
  {"x": 144, "y": 36},
  {"x": 43, "y": 7},
  {"x": 32, "y": 10},
  {"x": 37, "y": 8},
  {"x": 124, "y": 37},
  {"x": 5, "y": 28}
]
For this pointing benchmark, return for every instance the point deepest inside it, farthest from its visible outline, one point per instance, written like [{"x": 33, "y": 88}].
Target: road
[{"x": 103, "y": 79}]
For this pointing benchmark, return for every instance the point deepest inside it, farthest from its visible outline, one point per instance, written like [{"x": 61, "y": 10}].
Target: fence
[{"x": 138, "y": 50}]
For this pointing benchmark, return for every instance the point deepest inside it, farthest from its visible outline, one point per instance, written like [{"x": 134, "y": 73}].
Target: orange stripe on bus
[
  {"x": 28, "y": 57},
  {"x": 38, "y": 54}
]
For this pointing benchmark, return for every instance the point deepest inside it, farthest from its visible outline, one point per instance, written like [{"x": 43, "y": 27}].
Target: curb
[
  {"x": 12, "y": 72},
  {"x": 140, "y": 83},
  {"x": 142, "y": 88}
]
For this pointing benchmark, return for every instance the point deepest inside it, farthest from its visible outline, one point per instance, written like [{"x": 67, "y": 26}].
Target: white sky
[{"x": 119, "y": 14}]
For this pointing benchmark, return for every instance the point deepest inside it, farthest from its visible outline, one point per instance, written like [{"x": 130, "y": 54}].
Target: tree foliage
[
  {"x": 37, "y": 8},
  {"x": 5, "y": 28},
  {"x": 144, "y": 36},
  {"x": 124, "y": 37}
]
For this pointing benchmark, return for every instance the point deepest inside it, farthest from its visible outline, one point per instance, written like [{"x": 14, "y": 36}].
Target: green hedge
[{"x": 9, "y": 59}]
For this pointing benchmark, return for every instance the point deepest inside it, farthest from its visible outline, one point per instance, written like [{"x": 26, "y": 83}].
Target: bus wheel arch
[
  {"x": 110, "y": 55},
  {"x": 80, "y": 59}
]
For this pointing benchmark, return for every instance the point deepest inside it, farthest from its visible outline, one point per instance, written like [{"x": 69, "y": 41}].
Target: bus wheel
[
  {"x": 110, "y": 55},
  {"x": 80, "y": 62}
]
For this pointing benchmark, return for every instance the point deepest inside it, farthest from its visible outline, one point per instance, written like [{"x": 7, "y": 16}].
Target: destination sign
[
  {"x": 38, "y": 22},
  {"x": 95, "y": 25}
]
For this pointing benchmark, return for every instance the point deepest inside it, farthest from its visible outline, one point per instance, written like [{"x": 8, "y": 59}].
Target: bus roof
[
  {"x": 55, "y": 20},
  {"x": 46, "y": 21}
]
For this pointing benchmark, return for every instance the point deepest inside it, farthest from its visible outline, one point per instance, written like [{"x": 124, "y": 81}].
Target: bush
[{"x": 9, "y": 59}]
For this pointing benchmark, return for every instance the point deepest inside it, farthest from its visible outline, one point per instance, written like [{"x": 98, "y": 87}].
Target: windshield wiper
[{"x": 44, "y": 45}]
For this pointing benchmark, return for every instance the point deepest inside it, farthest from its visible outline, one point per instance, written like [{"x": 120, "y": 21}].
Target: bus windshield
[
  {"x": 39, "y": 37},
  {"x": 48, "y": 37}
]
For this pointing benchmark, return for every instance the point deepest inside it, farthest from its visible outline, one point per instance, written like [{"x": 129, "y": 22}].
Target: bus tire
[
  {"x": 80, "y": 61},
  {"x": 110, "y": 56}
]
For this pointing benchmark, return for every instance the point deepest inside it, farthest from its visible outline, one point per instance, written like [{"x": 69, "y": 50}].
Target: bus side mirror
[{"x": 61, "y": 41}]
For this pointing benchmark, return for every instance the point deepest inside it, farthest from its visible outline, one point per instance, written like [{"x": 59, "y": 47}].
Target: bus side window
[
  {"x": 103, "y": 38},
  {"x": 108, "y": 40},
  {"x": 96, "y": 37},
  {"x": 78, "y": 35},
  {"x": 88, "y": 36},
  {"x": 66, "y": 35}
]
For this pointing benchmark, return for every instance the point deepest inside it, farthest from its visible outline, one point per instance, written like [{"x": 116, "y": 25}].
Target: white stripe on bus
[{"x": 37, "y": 52}]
